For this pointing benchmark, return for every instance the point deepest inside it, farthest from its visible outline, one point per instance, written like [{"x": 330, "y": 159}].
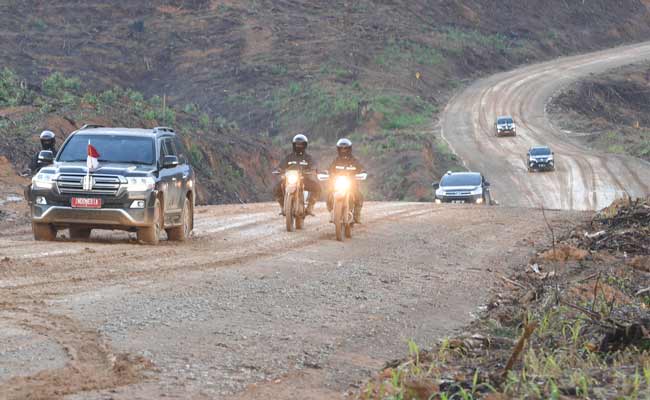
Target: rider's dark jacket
[
  {"x": 349, "y": 161},
  {"x": 293, "y": 157},
  {"x": 309, "y": 181}
]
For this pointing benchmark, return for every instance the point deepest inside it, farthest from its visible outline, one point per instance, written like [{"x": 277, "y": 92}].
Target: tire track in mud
[
  {"x": 257, "y": 242},
  {"x": 90, "y": 365},
  {"x": 90, "y": 362}
]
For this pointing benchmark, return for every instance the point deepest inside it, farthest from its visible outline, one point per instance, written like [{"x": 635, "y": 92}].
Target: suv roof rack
[
  {"x": 91, "y": 126},
  {"x": 163, "y": 129}
]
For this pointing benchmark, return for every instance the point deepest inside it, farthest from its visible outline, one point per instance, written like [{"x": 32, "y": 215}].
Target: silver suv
[
  {"x": 505, "y": 126},
  {"x": 463, "y": 187}
]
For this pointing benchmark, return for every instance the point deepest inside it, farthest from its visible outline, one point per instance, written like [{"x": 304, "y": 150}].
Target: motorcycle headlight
[
  {"x": 140, "y": 184},
  {"x": 43, "y": 180},
  {"x": 292, "y": 177},
  {"x": 342, "y": 183}
]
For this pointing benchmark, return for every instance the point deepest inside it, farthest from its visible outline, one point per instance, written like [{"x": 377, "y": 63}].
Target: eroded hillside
[{"x": 377, "y": 71}]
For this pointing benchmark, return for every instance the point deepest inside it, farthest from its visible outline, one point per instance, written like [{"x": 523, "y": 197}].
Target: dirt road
[
  {"x": 246, "y": 309},
  {"x": 583, "y": 180}
]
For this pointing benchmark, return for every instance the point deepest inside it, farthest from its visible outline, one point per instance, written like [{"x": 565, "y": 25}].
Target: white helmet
[
  {"x": 344, "y": 147},
  {"x": 299, "y": 143}
]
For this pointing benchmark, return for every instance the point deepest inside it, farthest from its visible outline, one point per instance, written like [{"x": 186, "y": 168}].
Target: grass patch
[
  {"x": 457, "y": 41},
  {"x": 400, "y": 52}
]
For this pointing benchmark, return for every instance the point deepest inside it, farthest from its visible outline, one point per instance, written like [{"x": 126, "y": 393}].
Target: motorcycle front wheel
[
  {"x": 289, "y": 201},
  {"x": 338, "y": 219}
]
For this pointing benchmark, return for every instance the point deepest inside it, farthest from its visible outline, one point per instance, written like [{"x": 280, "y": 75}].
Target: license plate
[{"x": 86, "y": 202}]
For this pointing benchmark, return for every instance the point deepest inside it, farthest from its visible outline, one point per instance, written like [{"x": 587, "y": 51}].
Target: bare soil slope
[
  {"x": 609, "y": 112},
  {"x": 329, "y": 67}
]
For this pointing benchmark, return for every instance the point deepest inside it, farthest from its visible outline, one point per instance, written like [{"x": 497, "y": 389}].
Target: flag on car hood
[{"x": 92, "y": 161}]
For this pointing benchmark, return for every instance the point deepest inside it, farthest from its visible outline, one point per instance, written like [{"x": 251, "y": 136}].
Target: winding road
[
  {"x": 246, "y": 310},
  {"x": 584, "y": 179}
]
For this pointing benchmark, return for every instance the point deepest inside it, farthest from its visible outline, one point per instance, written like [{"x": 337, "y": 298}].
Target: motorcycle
[
  {"x": 295, "y": 196},
  {"x": 345, "y": 181}
]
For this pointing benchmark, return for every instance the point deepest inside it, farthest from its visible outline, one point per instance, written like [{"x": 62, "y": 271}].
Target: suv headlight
[
  {"x": 140, "y": 184},
  {"x": 43, "y": 180}
]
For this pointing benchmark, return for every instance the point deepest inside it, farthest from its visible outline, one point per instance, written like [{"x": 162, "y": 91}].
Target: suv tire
[
  {"x": 182, "y": 232},
  {"x": 151, "y": 234},
  {"x": 79, "y": 233},
  {"x": 43, "y": 232}
]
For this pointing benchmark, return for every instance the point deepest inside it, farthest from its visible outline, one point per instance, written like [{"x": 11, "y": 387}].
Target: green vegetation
[
  {"x": 407, "y": 52},
  {"x": 579, "y": 333},
  {"x": 402, "y": 112},
  {"x": 457, "y": 41},
  {"x": 56, "y": 85},
  {"x": 13, "y": 92},
  {"x": 63, "y": 98}
]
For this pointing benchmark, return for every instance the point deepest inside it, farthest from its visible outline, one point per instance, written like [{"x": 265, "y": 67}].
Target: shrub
[
  {"x": 108, "y": 97},
  {"x": 11, "y": 91},
  {"x": 56, "y": 85},
  {"x": 204, "y": 121}
]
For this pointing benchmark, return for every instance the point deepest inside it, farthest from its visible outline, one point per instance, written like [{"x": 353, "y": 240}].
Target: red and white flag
[{"x": 92, "y": 161}]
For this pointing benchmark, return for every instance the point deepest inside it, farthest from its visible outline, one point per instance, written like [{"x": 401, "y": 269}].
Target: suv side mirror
[
  {"x": 486, "y": 184},
  {"x": 435, "y": 185},
  {"x": 46, "y": 157},
  {"x": 170, "y": 162}
]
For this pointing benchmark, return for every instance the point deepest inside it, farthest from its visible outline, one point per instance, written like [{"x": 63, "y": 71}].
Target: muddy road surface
[
  {"x": 583, "y": 179},
  {"x": 245, "y": 309}
]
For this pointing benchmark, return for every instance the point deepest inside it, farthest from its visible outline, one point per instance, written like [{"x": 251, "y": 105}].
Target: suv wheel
[
  {"x": 182, "y": 233},
  {"x": 151, "y": 234},
  {"x": 79, "y": 233},
  {"x": 45, "y": 232}
]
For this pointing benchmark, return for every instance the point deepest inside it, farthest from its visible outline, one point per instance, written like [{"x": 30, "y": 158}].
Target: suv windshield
[
  {"x": 503, "y": 121},
  {"x": 540, "y": 151},
  {"x": 111, "y": 148},
  {"x": 461, "y": 180}
]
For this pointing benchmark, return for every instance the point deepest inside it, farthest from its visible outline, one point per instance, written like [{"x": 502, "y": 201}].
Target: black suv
[
  {"x": 142, "y": 184},
  {"x": 540, "y": 158}
]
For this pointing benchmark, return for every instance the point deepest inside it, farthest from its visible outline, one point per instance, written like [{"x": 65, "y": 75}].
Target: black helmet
[
  {"x": 299, "y": 143},
  {"x": 47, "y": 140},
  {"x": 344, "y": 147}
]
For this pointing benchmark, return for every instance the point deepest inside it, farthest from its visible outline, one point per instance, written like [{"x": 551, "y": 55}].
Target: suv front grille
[
  {"x": 458, "y": 193},
  {"x": 102, "y": 184}
]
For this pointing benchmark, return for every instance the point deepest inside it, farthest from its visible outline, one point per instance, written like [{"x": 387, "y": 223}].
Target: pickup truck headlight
[
  {"x": 43, "y": 180},
  {"x": 140, "y": 184}
]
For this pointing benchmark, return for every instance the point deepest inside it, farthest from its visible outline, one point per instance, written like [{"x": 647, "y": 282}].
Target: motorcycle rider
[
  {"x": 345, "y": 159},
  {"x": 48, "y": 142},
  {"x": 299, "y": 155}
]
